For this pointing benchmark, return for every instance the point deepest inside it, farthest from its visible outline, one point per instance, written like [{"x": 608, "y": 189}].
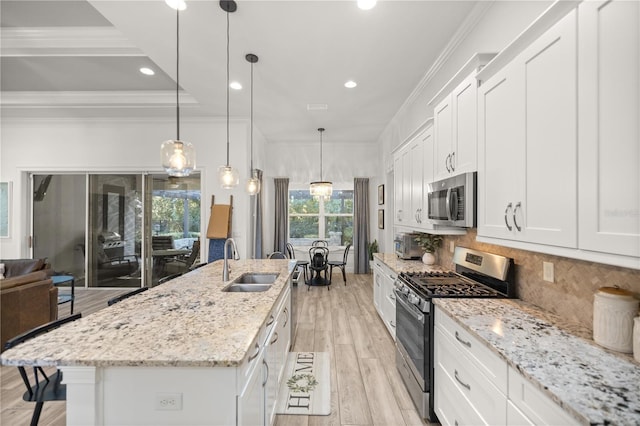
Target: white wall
[
  {"x": 126, "y": 145},
  {"x": 300, "y": 162},
  {"x": 490, "y": 28}
]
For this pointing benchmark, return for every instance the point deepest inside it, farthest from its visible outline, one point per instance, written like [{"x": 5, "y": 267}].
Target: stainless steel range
[{"x": 477, "y": 275}]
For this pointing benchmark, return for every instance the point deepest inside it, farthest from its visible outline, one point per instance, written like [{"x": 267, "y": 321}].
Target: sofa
[{"x": 28, "y": 297}]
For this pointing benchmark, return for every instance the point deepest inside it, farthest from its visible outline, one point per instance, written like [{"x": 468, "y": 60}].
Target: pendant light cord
[
  {"x": 178, "y": 73},
  {"x": 251, "y": 116},
  {"x": 321, "y": 155},
  {"x": 227, "y": 89}
]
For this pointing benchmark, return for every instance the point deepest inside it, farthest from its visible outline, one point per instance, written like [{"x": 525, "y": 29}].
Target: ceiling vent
[{"x": 317, "y": 107}]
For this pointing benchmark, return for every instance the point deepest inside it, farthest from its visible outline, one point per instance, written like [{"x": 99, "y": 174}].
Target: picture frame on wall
[
  {"x": 5, "y": 209},
  {"x": 380, "y": 194},
  {"x": 380, "y": 219}
]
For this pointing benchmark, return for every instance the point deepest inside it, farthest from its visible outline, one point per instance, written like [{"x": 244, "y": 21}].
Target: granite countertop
[
  {"x": 591, "y": 383},
  {"x": 186, "y": 322},
  {"x": 400, "y": 265}
]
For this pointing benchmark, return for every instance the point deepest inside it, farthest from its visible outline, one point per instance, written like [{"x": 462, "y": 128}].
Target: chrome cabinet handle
[
  {"x": 275, "y": 339},
  {"x": 286, "y": 317},
  {"x": 392, "y": 324},
  {"x": 392, "y": 296},
  {"x": 446, "y": 163},
  {"x": 506, "y": 220},
  {"x": 266, "y": 377},
  {"x": 453, "y": 158},
  {"x": 271, "y": 319},
  {"x": 466, "y": 385},
  {"x": 515, "y": 223},
  {"x": 464, "y": 342},
  {"x": 252, "y": 357}
]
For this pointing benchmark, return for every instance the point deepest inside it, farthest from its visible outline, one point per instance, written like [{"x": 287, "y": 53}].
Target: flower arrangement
[{"x": 429, "y": 242}]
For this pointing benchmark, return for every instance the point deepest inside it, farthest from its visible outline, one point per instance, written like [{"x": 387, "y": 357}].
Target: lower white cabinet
[
  {"x": 384, "y": 297},
  {"x": 251, "y": 399}
]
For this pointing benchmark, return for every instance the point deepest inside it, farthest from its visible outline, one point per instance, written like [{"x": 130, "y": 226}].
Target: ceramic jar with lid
[{"x": 613, "y": 312}]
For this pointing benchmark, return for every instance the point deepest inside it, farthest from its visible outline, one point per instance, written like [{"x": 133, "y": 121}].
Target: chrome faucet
[{"x": 234, "y": 254}]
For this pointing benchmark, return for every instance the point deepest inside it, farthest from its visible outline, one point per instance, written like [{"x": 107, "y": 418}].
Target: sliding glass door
[{"x": 103, "y": 228}]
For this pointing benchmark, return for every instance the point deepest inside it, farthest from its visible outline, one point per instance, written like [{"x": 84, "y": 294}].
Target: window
[{"x": 311, "y": 219}]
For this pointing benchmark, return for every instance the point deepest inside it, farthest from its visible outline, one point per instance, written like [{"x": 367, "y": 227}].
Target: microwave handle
[
  {"x": 448, "y": 204},
  {"x": 452, "y": 203}
]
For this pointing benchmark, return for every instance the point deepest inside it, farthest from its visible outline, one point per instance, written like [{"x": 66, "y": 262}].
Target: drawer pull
[
  {"x": 252, "y": 357},
  {"x": 392, "y": 324},
  {"x": 461, "y": 382},
  {"x": 271, "y": 319},
  {"x": 464, "y": 342},
  {"x": 275, "y": 339}
]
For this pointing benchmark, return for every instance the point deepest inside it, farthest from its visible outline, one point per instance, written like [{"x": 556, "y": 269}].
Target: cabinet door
[
  {"x": 427, "y": 170},
  {"x": 443, "y": 129},
  {"x": 271, "y": 359},
  {"x": 500, "y": 157},
  {"x": 609, "y": 129},
  {"x": 464, "y": 156},
  {"x": 546, "y": 208},
  {"x": 416, "y": 157},
  {"x": 377, "y": 288},
  {"x": 401, "y": 186},
  {"x": 251, "y": 401},
  {"x": 389, "y": 306}
]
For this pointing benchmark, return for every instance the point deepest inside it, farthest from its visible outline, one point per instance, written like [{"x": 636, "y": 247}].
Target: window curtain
[
  {"x": 281, "y": 233},
  {"x": 361, "y": 225},
  {"x": 256, "y": 225}
]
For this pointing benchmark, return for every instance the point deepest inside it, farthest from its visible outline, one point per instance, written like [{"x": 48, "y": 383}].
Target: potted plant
[
  {"x": 373, "y": 248},
  {"x": 429, "y": 243}
]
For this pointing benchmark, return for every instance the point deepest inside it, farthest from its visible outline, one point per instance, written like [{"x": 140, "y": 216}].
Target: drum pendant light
[
  {"x": 253, "y": 183},
  {"x": 178, "y": 157},
  {"x": 321, "y": 188},
  {"x": 227, "y": 175}
]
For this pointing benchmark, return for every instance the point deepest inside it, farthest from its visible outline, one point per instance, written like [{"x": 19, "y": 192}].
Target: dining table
[{"x": 161, "y": 256}]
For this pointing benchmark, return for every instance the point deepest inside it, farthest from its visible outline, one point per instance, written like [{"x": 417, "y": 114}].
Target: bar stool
[{"x": 67, "y": 297}]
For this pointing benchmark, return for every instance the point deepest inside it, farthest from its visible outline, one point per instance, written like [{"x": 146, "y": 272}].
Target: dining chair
[
  {"x": 304, "y": 264},
  {"x": 340, "y": 264},
  {"x": 277, "y": 255},
  {"x": 177, "y": 265},
  {"x": 318, "y": 263},
  {"x": 120, "y": 298},
  {"x": 320, "y": 243},
  {"x": 44, "y": 387}
]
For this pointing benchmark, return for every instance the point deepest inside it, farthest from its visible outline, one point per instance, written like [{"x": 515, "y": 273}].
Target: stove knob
[{"x": 413, "y": 299}]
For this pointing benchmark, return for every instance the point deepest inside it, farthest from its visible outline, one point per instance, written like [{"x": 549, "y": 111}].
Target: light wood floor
[{"x": 365, "y": 386}]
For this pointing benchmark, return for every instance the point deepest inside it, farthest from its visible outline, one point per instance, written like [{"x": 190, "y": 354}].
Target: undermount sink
[
  {"x": 252, "y": 282},
  {"x": 256, "y": 278},
  {"x": 243, "y": 288}
]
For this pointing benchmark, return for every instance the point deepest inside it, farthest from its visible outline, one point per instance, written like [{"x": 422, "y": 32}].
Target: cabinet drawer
[
  {"x": 482, "y": 358},
  {"x": 451, "y": 406},
  {"x": 534, "y": 404},
  {"x": 489, "y": 401}
]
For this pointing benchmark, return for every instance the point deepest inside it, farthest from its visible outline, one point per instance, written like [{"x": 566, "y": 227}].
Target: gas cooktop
[{"x": 446, "y": 284}]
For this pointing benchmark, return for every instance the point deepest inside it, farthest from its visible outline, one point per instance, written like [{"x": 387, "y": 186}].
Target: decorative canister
[
  {"x": 428, "y": 258},
  {"x": 613, "y": 312},
  {"x": 636, "y": 338}
]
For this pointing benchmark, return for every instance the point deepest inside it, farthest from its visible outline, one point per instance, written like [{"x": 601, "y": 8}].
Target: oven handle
[{"x": 419, "y": 315}]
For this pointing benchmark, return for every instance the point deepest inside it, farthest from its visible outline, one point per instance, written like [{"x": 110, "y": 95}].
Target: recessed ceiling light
[
  {"x": 366, "y": 4},
  {"x": 147, "y": 71},
  {"x": 350, "y": 84},
  {"x": 176, "y": 4},
  {"x": 235, "y": 85}
]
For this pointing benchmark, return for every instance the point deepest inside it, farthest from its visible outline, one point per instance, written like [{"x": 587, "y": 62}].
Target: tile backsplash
[{"x": 570, "y": 295}]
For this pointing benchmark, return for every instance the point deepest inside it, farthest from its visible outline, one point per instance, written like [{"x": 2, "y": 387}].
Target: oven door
[{"x": 412, "y": 338}]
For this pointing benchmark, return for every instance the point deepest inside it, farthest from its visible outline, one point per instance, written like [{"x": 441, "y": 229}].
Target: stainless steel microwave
[
  {"x": 452, "y": 201},
  {"x": 406, "y": 246}
]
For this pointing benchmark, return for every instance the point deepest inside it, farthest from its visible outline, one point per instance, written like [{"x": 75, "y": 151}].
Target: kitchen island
[{"x": 180, "y": 353}]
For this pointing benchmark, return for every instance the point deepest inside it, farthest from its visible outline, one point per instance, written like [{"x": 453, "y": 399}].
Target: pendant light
[
  {"x": 227, "y": 175},
  {"x": 178, "y": 157},
  {"x": 253, "y": 183},
  {"x": 321, "y": 188}
]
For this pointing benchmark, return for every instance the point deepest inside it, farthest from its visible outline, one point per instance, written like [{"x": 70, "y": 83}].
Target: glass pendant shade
[
  {"x": 178, "y": 157},
  {"x": 321, "y": 189},
  {"x": 253, "y": 184},
  {"x": 228, "y": 177}
]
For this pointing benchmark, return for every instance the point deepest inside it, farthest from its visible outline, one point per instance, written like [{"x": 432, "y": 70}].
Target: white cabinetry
[
  {"x": 470, "y": 380},
  {"x": 251, "y": 398},
  {"x": 384, "y": 297},
  {"x": 609, "y": 127},
  {"x": 455, "y": 122},
  {"x": 413, "y": 169},
  {"x": 529, "y": 406},
  {"x": 527, "y": 168}
]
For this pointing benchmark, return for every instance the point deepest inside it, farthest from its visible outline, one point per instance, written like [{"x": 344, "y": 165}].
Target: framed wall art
[
  {"x": 380, "y": 194},
  {"x": 380, "y": 219}
]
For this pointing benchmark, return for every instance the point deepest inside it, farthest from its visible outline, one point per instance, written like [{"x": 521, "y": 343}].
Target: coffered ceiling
[{"x": 81, "y": 59}]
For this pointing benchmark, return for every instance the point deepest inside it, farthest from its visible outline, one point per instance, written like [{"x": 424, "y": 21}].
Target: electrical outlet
[
  {"x": 452, "y": 246},
  {"x": 547, "y": 271},
  {"x": 168, "y": 401}
]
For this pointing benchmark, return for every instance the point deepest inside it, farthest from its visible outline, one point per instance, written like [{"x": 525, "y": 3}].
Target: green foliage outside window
[{"x": 167, "y": 215}]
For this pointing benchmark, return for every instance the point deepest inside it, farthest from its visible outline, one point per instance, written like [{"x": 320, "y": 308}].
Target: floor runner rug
[{"x": 305, "y": 388}]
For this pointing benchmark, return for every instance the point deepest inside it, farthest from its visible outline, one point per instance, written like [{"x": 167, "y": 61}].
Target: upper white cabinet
[
  {"x": 527, "y": 168},
  {"x": 455, "y": 122},
  {"x": 609, "y": 127},
  {"x": 401, "y": 186}
]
